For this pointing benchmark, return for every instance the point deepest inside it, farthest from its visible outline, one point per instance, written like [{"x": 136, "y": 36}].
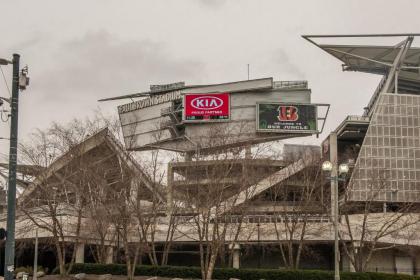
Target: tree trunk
[
  {"x": 130, "y": 269},
  {"x": 210, "y": 267},
  {"x": 61, "y": 263}
]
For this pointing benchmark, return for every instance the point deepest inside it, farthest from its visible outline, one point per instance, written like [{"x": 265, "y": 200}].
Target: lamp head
[
  {"x": 343, "y": 169},
  {"x": 327, "y": 166}
]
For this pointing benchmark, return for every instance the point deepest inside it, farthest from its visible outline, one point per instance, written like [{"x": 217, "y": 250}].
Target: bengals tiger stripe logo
[{"x": 288, "y": 114}]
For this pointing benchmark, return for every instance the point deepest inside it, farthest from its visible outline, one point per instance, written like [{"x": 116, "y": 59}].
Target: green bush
[{"x": 226, "y": 273}]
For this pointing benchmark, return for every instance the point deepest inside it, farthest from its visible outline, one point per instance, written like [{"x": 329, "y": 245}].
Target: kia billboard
[
  {"x": 281, "y": 117},
  {"x": 206, "y": 107}
]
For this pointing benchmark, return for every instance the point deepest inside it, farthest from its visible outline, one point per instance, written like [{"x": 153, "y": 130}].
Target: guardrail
[
  {"x": 357, "y": 118},
  {"x": 171, "y": 109},
  {"x": 280, "y": 218},
  {"x": 375, "y": 96},
  {"x": 290, "y": 84}
]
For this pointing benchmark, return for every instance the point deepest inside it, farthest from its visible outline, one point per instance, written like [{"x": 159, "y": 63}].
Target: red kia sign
[{"x": 206, "y": 107}]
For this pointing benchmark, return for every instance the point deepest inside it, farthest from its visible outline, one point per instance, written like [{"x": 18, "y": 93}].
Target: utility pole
[{"x": 9, "y": 266}]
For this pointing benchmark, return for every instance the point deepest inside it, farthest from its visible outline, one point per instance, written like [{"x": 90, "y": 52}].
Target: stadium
[{"x": 232, "y": 190}]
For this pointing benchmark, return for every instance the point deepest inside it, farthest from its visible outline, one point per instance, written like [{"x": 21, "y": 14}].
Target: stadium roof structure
[
  {"x": 27, "y": 172},
  {"x": 101, "y": 151},
  {"x": 238, "y": 86},
  {"x": 399, "y": 64}
]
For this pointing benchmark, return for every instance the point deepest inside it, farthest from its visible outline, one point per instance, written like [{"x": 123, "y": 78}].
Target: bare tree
[
  {"x": 149, "y": 206},
  {"x": 54, "y": 202},
  {"x": 213, "y": 187},
  {"x": 98, "y": 224},
  {"x": 297, "y": 211},
  {"x": 57, "y": 199},
  {"x": 120, "y": 212},
  {"x": 372, "y": 226}
]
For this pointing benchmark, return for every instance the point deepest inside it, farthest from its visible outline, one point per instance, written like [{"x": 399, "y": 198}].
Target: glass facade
[{"x": 388, "y": 165}]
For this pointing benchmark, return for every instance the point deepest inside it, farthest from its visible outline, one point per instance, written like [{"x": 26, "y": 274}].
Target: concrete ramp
[{"x": 261, "y": 186}]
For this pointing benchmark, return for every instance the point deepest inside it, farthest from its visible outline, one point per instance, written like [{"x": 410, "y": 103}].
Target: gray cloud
[
  {"x": 212, "y": 3},
  {"x": 284, "y": 65},
  {"x": 100, "y": 64},
  {"x": 30, "y": 42}
]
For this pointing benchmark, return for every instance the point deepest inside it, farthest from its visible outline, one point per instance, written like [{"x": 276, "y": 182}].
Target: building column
[
  {"x": 417, "y": 263},
  {"x": 236, "y": 255},
  {"x": 80, "y": 253},
  {"x": 188, "y": 156},
  {"x": 248, "y": 152},
  {"x": 109, "y": 255}
]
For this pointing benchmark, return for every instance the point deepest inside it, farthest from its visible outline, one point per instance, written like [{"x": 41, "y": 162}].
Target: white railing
[
  {"x": 375, "y": 96},
  {"x": 290, "y": 84},
  {"x": 357, "y": 118}
]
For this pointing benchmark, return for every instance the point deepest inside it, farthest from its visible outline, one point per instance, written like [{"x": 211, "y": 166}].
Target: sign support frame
[{"x": 316, "y": 131}]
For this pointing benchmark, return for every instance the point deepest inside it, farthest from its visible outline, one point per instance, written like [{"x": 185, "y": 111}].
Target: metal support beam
[
  {"x": 361, "y": 35},
  {"x": 360, "y": 57},
  {"x": 396, "y": 64}
]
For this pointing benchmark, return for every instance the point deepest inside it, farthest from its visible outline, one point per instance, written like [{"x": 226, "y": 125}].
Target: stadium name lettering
[{"x": 151, "y": 101}]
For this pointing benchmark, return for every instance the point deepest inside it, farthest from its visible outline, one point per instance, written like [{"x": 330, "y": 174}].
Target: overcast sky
[{"x": 81, "y": 51}]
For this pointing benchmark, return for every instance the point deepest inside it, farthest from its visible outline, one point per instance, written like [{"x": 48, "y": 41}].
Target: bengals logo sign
[
  {"x": 288, "y": 114},
  {"x": 287, "y": 118}
]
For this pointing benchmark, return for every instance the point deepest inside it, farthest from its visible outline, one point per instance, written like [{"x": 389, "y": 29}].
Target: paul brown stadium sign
[
  {"x": 281, "y": 117},
  {"x": 151, "y": 101},
  {"x": 206, "y": 107}
]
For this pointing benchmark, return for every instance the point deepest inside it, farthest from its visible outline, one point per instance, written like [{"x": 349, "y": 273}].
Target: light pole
[
  {"x": 18, "y": 82},
  {"x": 35, "y": 271},
  {"x": 343, "y": 169},
  {"x": 259, "y": 245}
]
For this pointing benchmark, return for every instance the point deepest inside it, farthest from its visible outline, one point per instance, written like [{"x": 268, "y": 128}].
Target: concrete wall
[
  {"x": 382, "y": 262},
  {"x": 387, "y": 261}
]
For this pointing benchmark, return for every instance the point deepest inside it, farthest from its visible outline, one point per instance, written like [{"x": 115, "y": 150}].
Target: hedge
[{"x": 226, "y": 273}]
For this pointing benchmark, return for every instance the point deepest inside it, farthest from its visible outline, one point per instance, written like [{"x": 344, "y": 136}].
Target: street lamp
[
  {"x": 19, "y": 82},
  {"x": 343, "y": 169}
]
